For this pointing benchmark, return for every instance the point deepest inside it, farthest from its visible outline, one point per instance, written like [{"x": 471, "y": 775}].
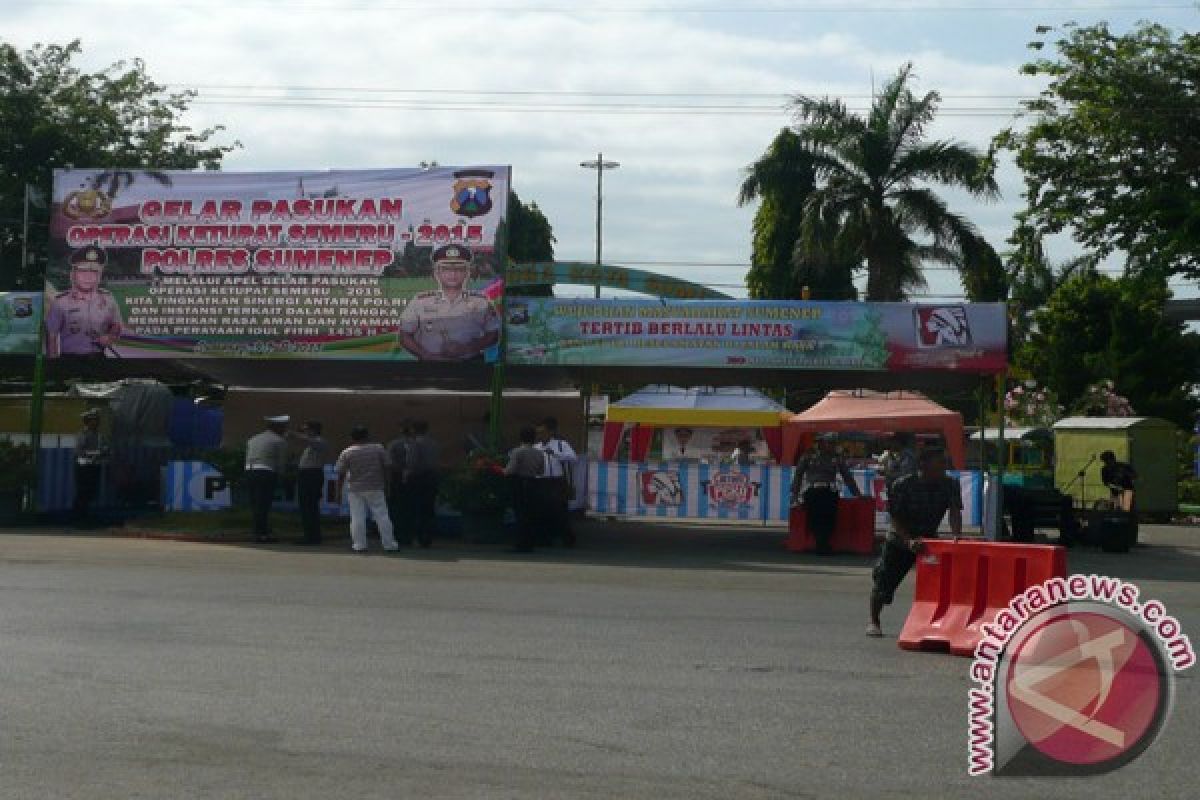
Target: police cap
[
  {"x": 89, "y": 258},
  {"x": 452, "y": 252}
]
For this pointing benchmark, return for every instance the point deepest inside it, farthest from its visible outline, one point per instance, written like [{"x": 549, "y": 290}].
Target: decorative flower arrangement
[
  {"x": 479, "y": 487},
  {"x": 1101, "y": 400},
  {"x": 1031, "y": 407}
]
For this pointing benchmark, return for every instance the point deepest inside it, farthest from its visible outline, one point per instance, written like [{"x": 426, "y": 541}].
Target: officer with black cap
[
  {"x": 90, "y": 455},
  {"x": 815, "y": 484},
  {"x": 85, "y": 319},
  {"x": 452, "y": 323}
]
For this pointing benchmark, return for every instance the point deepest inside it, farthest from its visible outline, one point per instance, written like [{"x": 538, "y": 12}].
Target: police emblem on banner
[
  {"x": 730, "y": 489},
  {"x": 661, "y": 488},
  {"x": 472, "y": 192},
  {"x": 942, "y": 326},
  {"x": 87, "y": 204}
]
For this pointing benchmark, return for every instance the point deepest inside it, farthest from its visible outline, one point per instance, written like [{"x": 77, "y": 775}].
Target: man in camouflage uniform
[
  {"x": 916, "y": 503},
  {"x": 452, "y": 323},
  {"x": 84, "y": 320}
]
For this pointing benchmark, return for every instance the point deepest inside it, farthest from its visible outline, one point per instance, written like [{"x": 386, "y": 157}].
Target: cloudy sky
[{"x": 683, "y": 93}]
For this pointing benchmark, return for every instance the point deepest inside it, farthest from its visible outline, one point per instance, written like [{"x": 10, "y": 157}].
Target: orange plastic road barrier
[
  {"x": 962, "y": 585},
  {"x": 854, "y": 531}
]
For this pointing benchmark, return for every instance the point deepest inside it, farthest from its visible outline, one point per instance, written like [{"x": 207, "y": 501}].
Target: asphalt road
[{"x": 653, "y": 662}]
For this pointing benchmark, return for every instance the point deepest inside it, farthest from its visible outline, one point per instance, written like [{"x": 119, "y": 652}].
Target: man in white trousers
[{"x": 362, "y": 470}]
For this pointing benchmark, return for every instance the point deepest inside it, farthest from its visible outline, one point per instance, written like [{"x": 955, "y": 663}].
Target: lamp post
[{"x": 599, "y": 165}]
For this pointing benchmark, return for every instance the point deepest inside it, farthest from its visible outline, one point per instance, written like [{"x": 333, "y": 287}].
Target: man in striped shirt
[{"x": 362, "y": 470}]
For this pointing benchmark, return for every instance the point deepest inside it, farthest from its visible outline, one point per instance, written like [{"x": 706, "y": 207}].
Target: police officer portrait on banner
[
  {"x": 451, "y": 323},
  {"x": 84, "y": 320}
]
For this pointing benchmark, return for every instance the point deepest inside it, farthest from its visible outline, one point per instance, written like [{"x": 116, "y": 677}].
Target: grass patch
[{"x": 234, "y": 523}]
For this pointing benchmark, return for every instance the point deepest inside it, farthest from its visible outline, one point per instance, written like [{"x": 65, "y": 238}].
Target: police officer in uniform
[
  {"x": 815, "y": 482},
  {"x": 84, "y": 320},
  {"x": 452, "y": 323},
  {"x": 90, "y": 455}
]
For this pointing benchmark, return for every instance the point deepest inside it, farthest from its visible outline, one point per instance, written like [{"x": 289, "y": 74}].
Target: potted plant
[
  {"x": 16, "y": 476},
  {"x": 479, "y": 491}
]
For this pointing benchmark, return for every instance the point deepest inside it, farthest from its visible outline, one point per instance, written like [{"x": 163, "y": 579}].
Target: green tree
[
  {"x": 1032, "y": 279},
  {"x": 1095, "y": 328},
  {"x": 873, "y": 203},
  {"x": 1112, "y": 150},
  {"x": 52, "y": 115},
  {"x": 530, "y": 240},
  {"x": 782, "y": 180}
]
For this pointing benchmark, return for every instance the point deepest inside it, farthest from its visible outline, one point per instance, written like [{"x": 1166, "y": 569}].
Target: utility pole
[{"x": 599, "y": 165}]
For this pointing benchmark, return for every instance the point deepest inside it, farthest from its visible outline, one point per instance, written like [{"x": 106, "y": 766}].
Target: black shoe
[
  {"x": 426, "y": 542},
  {"x": 265, "y": 540},
  {"x": 520, "y": 550},
  {"x": 309, "y": 542}
]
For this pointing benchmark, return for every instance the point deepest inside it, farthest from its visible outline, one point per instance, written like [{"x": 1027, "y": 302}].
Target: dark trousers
[
  {"x": 895, "y": 561},
  {"x": 820, "y": 508},
  {"x": 87, "y": 487},
  {"x": 261, "y": 485},
  {"x": 525, "y": 506},
  {"x": 422, "y": 489},
  {"x": 310, "y": 484},
  {"x": 555, "y": 516},
  {"x": 400, "y": 509}
]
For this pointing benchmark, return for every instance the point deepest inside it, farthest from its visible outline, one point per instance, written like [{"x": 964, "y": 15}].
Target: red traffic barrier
[
  {"x": 854, "y": 531},
  {"x": 962, "y": 585}
]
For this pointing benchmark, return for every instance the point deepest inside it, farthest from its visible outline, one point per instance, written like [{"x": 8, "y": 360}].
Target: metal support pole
[
  {"x": 599, "y": 218},
  {"x": 37, "y": 399},
  {"x": 599, "y": 165}
]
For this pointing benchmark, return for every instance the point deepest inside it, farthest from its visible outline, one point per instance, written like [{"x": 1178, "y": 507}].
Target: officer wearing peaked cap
[
  {"x": 452, "y": 323},
  {"x": 85, "y": 319},
  {"x": 266, "y": 460}
]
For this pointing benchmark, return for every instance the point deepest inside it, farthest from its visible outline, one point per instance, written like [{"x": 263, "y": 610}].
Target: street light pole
[{"x": 599, "y": 165}]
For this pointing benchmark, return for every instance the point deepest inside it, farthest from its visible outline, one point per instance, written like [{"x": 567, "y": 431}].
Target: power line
[
  {"x": 551, "y": 92},
  {"x": 747, "y": 111},
  {"x": 602, "y": 103},
  {"x": 592, "y": 10}
]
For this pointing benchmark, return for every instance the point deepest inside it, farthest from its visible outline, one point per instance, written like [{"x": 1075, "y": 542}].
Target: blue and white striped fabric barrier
[{"x": 704, "y": 491}]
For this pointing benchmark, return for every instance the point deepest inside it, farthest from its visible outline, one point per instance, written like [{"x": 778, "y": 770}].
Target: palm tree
[
  {"x": 873, "y": 203},
  {"x": 114, "y": 180},
  {"x": 782, "y": 180},
  {"x": 1033, "y": 279}
]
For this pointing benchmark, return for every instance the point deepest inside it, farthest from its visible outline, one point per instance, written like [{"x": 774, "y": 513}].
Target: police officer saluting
[
  {"x": 84, "y": 320},
  {"x": 452, "y": 323}
]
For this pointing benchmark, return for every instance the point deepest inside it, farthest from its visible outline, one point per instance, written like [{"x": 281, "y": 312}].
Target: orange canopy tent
[{"x": 875, "y": 412}]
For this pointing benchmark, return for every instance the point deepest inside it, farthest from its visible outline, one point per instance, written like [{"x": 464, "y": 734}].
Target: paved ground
[{"x": 654, "y": 662}]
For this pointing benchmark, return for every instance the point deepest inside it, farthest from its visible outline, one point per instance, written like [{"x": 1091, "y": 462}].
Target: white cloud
[{"x": 673, "y": 199}]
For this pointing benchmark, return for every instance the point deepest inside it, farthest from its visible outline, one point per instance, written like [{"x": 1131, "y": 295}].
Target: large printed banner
[
  {"x": 766, "y": 334},
  {"x": 197, "y": 486},
  {"x": 19, "y": 313},
  {"x": 396, "y": 264},
  {"x": 704, "y": 491}
]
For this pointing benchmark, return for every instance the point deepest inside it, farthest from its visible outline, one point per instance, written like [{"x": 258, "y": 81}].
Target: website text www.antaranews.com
[{"x": 1150, "y": 614}]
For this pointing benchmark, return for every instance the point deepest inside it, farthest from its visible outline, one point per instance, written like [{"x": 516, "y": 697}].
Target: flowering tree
[
  {"x": 1031, "y": 407},
  {"x": 1100, "y": 400}
]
